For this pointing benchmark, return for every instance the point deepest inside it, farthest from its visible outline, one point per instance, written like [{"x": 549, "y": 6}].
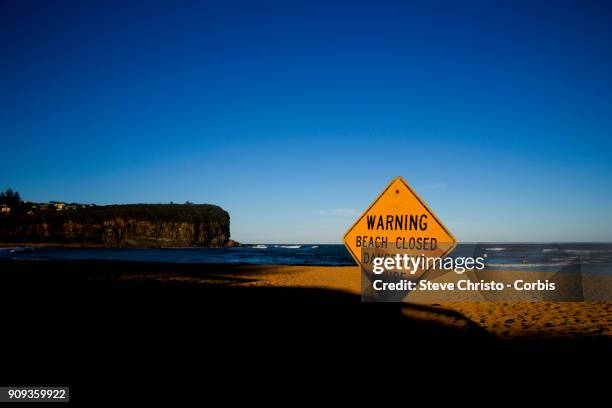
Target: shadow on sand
[{"x": 76, "y": 323}]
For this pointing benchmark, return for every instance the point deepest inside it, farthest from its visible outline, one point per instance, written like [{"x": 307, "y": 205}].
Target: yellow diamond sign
[{"x": 398, "y": 220}]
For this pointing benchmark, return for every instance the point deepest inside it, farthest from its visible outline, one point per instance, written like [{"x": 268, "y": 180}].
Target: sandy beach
[
  {"x": 303, "y": 327},
  {"x": 504, "y": 319}
]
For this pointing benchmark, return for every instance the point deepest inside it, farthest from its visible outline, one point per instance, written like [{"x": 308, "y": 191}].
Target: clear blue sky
[{"x": 294, "y": 116}]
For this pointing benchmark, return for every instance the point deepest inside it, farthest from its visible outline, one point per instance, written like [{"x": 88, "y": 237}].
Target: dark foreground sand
[
  {"x": 517, "y": 319},
  {"x": 167, "y": 326}
]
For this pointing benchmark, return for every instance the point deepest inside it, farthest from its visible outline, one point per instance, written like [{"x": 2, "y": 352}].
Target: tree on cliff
[{"x": 10, "y": 198}]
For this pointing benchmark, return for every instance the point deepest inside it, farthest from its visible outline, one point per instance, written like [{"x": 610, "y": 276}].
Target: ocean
[{"x": 585, "y": 257}]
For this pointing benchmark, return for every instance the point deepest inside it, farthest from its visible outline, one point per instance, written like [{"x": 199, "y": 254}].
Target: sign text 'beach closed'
[{"x": 398, "y": 220}]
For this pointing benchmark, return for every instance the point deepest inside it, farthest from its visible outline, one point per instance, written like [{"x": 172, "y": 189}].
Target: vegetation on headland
[{"x": 118, "y": 224}]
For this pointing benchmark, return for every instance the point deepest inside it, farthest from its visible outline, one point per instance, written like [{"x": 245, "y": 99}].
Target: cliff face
[
  {"x": 125, "y": 226},
  {"x": 131, "y": 233}
]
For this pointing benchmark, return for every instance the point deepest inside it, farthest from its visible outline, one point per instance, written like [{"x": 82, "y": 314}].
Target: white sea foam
[
  {"x": 588, "y": 251},
  {"x": 260, "y": 246},
  {"x": 290, "y": 246},
  {"x": 16, "y": 250},
  {"x": 314, "y": 246},
  {"x": 550, "y": 250}
]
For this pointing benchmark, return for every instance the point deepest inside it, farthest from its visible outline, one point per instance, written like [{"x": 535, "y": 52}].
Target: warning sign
[{"x": 398, "y": 220}]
